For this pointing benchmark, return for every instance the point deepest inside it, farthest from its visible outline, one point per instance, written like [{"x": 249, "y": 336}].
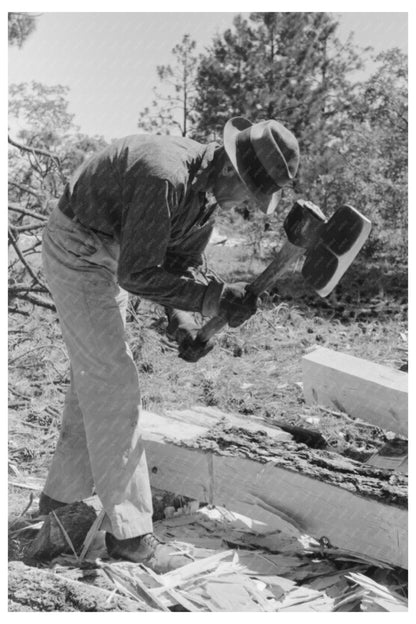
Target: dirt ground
[{"x": 254, "y": 370}]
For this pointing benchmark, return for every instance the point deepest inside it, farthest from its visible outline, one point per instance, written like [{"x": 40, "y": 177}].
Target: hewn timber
[
  {"x": 258, "y": 470},
  {"x": 374, "y": 393}
]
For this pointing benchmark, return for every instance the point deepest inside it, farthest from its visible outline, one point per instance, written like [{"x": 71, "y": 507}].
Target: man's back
[{"x": 125, "y": 173}]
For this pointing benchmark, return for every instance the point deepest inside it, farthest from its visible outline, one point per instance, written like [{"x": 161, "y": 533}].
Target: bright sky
[{"x": 109, "y": 59}]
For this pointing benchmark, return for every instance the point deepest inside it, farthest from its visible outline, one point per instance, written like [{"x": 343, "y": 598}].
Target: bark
[
  {"x": 384, "y": 486},
  {"x": 36, "y": 589},
  {"x": 50, "y": 542}
]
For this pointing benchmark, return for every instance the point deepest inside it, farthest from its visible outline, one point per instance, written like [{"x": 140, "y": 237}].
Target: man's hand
[
  {"x": 191, "y": 349},
  {"x": 183, "y": 329},
  {"x": 236, "y": 305}
]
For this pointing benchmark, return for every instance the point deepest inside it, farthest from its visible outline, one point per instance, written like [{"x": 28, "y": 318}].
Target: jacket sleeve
[
  {"x": 187, "y": 258},
  {"x": 144, "y": 241}
]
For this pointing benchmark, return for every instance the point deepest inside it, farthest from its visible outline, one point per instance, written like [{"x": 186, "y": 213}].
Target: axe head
[{"x": 340, "y": 240}]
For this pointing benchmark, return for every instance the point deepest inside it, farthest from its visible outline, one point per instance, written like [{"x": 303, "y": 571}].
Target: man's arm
[
  {"x": 144, "y": 242},
  {"x": 186, "y": 259},
  {"x": 144, "y": 247}
]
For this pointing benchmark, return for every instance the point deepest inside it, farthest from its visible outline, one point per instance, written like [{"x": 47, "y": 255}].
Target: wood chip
[
  {"x": 132, "y": 586},
  {"x": 378, "y": 594},
  {"x": 230, "y": 597},
  {"x": 264, "y": 598},
  {"x": 89, "y": 538},
  {"x": 181, "y": 575},
  {"x": 305, "y": 599},
  {"x": 176, "y": 596}
]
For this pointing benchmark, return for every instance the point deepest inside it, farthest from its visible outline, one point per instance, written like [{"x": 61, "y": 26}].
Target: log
[
  {"x": 36, "y": 589},
  {"x": 257, "y": 470},
  {"x": 371, "y": 392},
  {"x": 260, "y": 471}
]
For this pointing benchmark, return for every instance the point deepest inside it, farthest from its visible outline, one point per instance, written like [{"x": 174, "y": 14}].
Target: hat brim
[{"x": 265, "y": 202}]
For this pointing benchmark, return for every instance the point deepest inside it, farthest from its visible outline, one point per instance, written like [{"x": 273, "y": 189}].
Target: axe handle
[{"x": 287, "y": 254}]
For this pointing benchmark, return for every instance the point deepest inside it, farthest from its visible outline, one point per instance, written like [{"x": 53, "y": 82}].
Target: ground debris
[
  {"x": 37, "y": 589},
  {"x": 372, "y": 596},
  {"x": 264, "y": 570},
  {"x": 269, "y": 571}
]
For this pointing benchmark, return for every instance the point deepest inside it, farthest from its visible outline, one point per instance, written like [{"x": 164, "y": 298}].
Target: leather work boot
[
  {"x": 48, "y": 504},
  {"x": 148, "y": 549}
]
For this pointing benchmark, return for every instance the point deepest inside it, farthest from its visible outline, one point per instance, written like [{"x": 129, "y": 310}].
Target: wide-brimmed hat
[{"x": 265, "y": 156}]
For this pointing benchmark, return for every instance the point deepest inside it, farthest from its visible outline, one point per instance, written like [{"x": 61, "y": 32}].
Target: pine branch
[
  {"x": 24, "y": 211},
  {"x": 13, "y": 310},
  {"x": 22, "y": 259},
  {"x": 25, "y": 189},
  {"x": 16, "y": 288},
  {"x": 39, "y": 301},
  {"x": 35, "y": 151},
  {"x": 26, "y": 228}
]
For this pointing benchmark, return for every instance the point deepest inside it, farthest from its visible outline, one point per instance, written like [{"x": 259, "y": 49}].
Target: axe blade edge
[{"x": 345, "y": 261}]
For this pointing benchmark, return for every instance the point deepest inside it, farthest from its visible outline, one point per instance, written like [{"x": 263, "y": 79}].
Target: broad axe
[{"x": 329, "y": 247}]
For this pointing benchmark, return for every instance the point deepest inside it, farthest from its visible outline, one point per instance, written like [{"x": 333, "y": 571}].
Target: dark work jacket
[{"x": 148, "y": 192}]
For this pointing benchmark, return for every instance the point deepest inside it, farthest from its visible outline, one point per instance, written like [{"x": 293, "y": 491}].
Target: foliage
[
  {"x": 174, "y": 110},
  {"x": 286, "y": 66},
  {"x": 366, "y": 162},
  {"x": 41, "y": 113},
  {"x": 20, "y": 27},
  {"x": 47, "y": 149},
  {"x": 384, "y": 107},
  {"x": 352, "y": 135}
]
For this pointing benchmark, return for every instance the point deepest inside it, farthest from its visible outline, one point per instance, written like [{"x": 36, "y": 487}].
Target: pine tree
[
  {"x": 173, "y": 110},
  {"x": 286, "y": 66},
  {"x": 369, "y": 156},
  {"x": 20, "y": 27}
]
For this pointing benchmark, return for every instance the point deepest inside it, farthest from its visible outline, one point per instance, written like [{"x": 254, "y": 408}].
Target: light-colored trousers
[{"x": 100, "y": 443}]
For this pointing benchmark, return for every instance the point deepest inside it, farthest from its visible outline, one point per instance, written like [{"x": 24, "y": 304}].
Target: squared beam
[
  {"x": 371, "y": 392},
  {"x": 310, "y": 491}
]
